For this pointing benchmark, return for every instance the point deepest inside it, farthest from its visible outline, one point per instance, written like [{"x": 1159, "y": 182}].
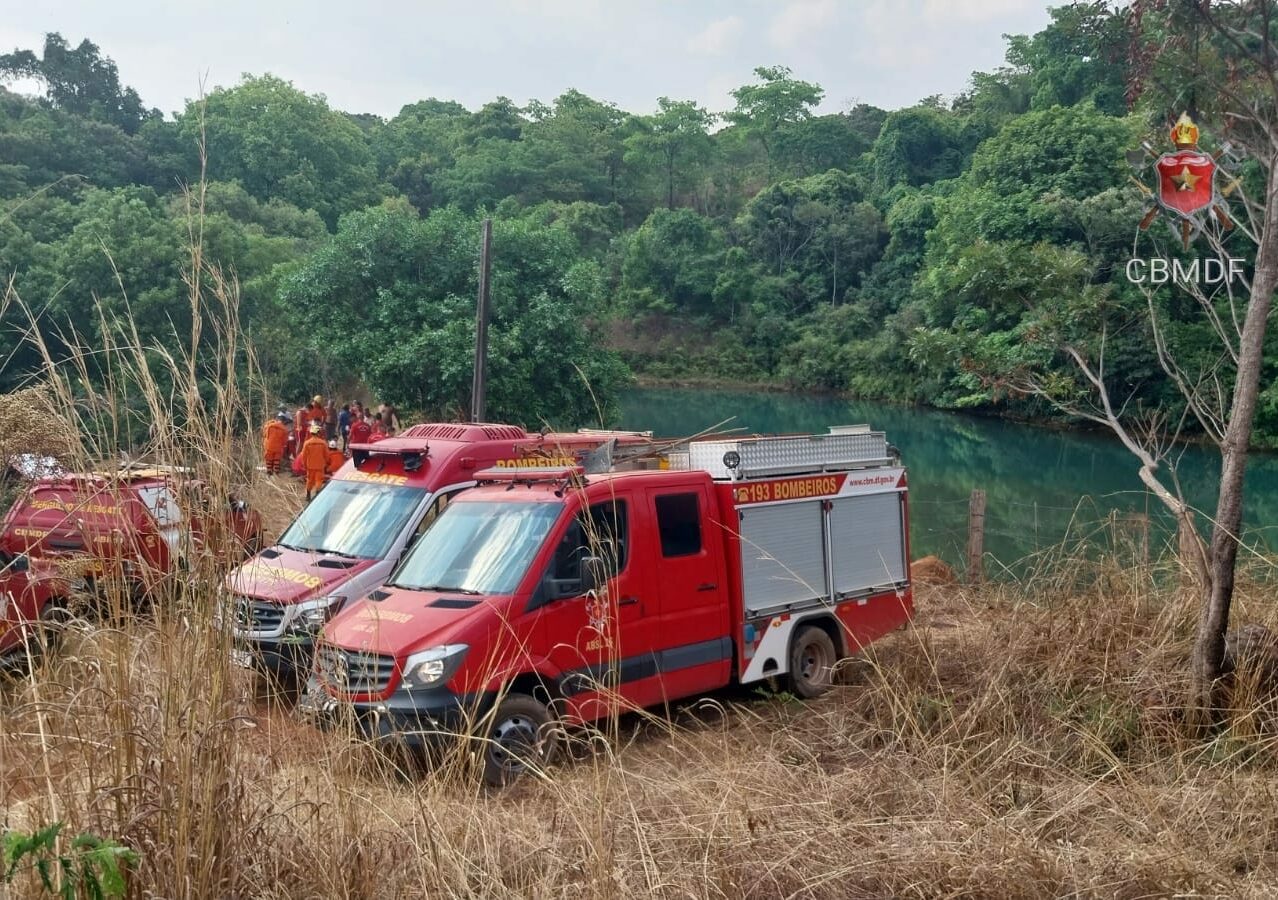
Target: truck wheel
[
  {"x": 812, "y": 659},
  {"x": 43, "y": 636},
  {"x": 520, "y": 739}
]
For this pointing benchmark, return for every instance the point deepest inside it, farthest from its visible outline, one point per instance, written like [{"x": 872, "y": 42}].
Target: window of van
[
  {"x": 436, "y": 507},
  {"x": 679, "y": 522},
  {"x": 602, "y": 531}
]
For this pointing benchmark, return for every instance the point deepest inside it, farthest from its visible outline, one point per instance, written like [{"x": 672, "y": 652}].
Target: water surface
[{"x": 1041, "y": 485}]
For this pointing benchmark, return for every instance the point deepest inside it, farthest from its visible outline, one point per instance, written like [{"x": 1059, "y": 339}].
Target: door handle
[
  {"x": 627, "y": 601},
  {"x": 707, "y": 586}
]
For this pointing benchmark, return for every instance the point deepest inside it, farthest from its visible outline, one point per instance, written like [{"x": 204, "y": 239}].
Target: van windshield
[
  {"x": 483, "y": 547},
  {"x": 353, "y": 518}
]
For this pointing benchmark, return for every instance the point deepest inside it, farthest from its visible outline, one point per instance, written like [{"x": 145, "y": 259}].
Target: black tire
[
  {"x": 43, "y": 636},
  {"x": 521, "y": 737},
  {"x": 812, "y": 659}
]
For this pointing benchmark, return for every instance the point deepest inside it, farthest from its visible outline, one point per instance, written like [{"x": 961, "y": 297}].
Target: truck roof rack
[
  {"x": 741, "y": 459},
  {"x": 562, "y": 476},
  {"x": 612, "y": 432}
]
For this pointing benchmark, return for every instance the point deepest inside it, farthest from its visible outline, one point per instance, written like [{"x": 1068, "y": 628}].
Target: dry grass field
[{"x": 1021, "y": 741}]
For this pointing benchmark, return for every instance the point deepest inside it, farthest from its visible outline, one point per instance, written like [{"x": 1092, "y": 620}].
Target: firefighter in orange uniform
[
  {"x": 314, "y": 460},
  {"x": 335, "y": 458},
  {"x": 315, "y": 413},
  {"x": 274, "y": 440}
]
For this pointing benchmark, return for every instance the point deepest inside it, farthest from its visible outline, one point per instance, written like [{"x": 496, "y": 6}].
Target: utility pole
[{"x": 481, "y": 326}]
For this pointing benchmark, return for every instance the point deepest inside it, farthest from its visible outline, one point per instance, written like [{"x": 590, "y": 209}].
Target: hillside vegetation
[{"x": 890, "y": 254}]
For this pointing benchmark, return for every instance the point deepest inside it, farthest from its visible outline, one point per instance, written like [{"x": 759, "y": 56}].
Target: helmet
[
  {"x": 315, "y": 429},
  {"x": 317, "y": 400},
  {"x": 282, "y": 416},
  {"x": 332, "y": 445}
]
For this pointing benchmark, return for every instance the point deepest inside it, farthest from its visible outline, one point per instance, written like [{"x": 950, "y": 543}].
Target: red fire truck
[
  {"x": 31, "y": 598},
  {"x": 139, "y": 523},
  {"x": 347, "y": 540},
  {"x": 556, "y": 595}
]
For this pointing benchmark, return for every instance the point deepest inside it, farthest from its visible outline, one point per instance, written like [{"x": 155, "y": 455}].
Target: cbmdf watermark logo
[{"x": 1186, "y": 193}]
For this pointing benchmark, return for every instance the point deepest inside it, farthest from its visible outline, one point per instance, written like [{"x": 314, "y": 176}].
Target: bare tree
[
  {"x": 1223, "y": 56},
  {"x": 1220, "y": 59}
]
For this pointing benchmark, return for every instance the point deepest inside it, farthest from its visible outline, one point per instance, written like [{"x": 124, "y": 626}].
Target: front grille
[
  {"x": 355, "y": 671},
  {"x": 258, "y": 616}
]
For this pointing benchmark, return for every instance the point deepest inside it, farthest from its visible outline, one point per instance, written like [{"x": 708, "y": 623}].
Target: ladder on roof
[{"x": 742, "y": 459}]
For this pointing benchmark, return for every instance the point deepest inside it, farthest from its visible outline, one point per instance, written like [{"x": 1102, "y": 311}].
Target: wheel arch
[{"x": 828, "y": 623}]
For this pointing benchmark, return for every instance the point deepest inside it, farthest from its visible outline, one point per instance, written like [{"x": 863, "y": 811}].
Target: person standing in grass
[
  {"x": 299, "y": 430},
  {"x": 315, "y": 414},
  {"x": 315, "y": 460},
  {"x": 274, "y": 441},
  {"x": 344, "y": 425},
  {"x": 361, "y": 433},
  {"x": 390, "y": 419}
]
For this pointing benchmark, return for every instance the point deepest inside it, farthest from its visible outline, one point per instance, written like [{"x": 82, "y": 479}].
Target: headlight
[
  {"x": 433, "y": 666},
  {"x": 309, "y": 617}
]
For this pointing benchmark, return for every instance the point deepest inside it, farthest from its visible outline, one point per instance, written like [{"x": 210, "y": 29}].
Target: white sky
[{"x": 377, "y": 55}]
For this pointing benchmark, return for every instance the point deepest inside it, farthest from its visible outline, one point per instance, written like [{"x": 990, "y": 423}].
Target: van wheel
[
  {"x": 521, "y": 739},
  {"x": 45, "y": 634},
  {"x": 812, "y": 659}
]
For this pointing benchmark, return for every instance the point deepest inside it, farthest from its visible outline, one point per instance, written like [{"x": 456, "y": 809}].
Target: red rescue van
[
  {"x": 134, "y": 523},
  {"x": 347, "y": 540},
  {"x": 31, "y": 595},
  {"x": 543, "y": 595}
]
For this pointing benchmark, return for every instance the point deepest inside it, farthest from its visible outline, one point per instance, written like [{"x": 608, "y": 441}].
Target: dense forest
[{"x": 902, "y": 255}]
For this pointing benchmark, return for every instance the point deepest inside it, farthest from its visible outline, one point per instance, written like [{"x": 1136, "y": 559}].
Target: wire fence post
[{"x": 976, "y": 537}]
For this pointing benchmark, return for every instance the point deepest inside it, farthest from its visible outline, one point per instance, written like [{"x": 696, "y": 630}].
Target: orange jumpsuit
[
  {"x": 274, "y": 440},
  {"x": 336, "y": 458},
  {"x": 315, "y": 461}
]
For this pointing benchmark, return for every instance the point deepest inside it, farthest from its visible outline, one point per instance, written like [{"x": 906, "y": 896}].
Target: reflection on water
[{"x": 1036, "y": 480}]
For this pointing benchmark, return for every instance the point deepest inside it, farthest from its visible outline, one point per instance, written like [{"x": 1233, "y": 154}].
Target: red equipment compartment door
[
  {"x": 600, "y": 642},
  {"x": 695, "y": 652}
]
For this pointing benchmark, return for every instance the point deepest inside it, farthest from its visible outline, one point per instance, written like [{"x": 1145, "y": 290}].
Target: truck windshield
[
  {"x": 482, "y": 547},
  {"x": 353, "y": 518}
]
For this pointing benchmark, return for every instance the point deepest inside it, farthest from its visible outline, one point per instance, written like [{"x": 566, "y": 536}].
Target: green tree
[
  {"x": 391, "y": 297},
  {"x": 280, "y": 143},
  {"x": 917, "y": 146},
  {"x": 677, "y": 139},
  {"x": 40, "y": 145},
  {"x": 417, "y": 144},
  {"x": 819, "y": 143},
  {"x": 777, "y": 100},
  {"x": 79, "y": 81},
  {"x": 1082, "y": 56},
  {"x": 672, "y": 262},
  {"x": 1060, "y": 152},
  {"x": 816, "y": 232}
]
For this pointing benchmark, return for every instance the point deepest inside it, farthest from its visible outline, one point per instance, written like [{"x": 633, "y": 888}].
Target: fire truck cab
[
  {"x": 556, "y": 595},
  {"x": 138, "y": 523},
  {"x": 33, "y": 600},
  {"x": 347, "y": 540}
]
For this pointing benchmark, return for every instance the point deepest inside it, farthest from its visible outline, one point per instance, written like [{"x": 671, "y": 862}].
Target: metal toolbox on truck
[{"x": 737, "y": 459}]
